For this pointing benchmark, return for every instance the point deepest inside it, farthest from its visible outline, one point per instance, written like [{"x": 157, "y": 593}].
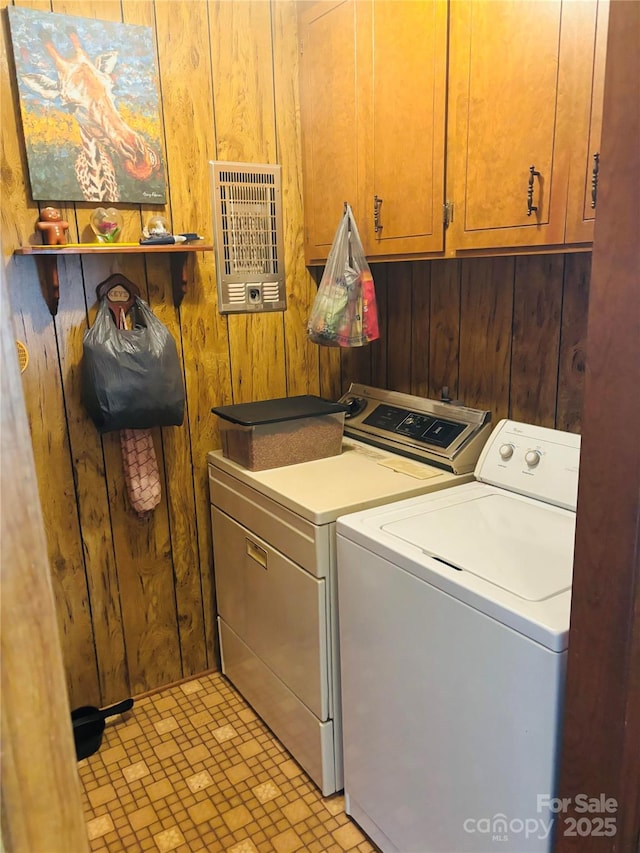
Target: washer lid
[{"x": 523, "y": 547}]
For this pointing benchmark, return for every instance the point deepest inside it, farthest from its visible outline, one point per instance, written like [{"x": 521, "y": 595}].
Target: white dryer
[
  {"x": 275, "y": 556},
  {"x": 453, "y": 624}
]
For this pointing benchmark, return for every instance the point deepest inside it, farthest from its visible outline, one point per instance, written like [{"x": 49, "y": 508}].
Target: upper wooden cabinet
[
  {"x": 505, "y": 116},
  {"x": 402, "y": 47},
  {"x": 520, "y": 113},
  {"x": 367, "y": 138},
  {"x": 587, "y": 27},
  {"x": 329, "y": 80}
]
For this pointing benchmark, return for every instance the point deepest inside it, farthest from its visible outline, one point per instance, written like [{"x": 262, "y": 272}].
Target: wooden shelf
[{"x": 48, "y": 261}]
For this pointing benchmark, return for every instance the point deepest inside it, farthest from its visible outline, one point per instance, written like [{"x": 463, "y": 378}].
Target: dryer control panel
[
  {"x": 434, "y": 431},
  {"x": 535, "y": 461}
]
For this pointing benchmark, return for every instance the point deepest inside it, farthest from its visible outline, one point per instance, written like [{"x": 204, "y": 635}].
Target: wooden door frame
[
  {"x": 601, "y": 743},
  {"x": 41, "y": 804}
]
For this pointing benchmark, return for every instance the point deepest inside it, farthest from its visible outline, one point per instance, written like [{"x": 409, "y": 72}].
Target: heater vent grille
[{"x": 248, "y": 237}]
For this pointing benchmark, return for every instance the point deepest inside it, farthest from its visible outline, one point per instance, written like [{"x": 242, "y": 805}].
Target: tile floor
[{"x": 192, "y": 768}]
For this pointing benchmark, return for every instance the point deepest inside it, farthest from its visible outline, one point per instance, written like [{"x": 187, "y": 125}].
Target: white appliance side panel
[
  {"x": 353, "y": 808},
  {"x": 448, "y": 715},
  {"x": 278, "y": 609},
  {"x": 309, "y": 741}
]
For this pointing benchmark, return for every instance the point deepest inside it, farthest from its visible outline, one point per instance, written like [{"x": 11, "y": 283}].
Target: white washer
[
  {"x": 275, "y": 556},
  {"x": 453, "y": 624}
]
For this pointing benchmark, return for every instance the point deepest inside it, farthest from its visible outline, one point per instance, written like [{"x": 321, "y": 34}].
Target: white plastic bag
[{"x": 344, "y": 312}]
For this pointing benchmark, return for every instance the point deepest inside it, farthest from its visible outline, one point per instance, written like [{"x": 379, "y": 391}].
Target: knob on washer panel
[
  {"x": 506, "y": 451},
  {"x": 532, "y": 458}
]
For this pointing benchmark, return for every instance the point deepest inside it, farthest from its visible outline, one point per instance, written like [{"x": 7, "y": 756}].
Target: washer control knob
[
  {"x": 532, "y": 457},
  {"x": 506, "y": 451}
]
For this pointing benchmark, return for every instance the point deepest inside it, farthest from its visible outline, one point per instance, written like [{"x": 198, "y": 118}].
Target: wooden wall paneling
[
  {"x": 143, "y": 556},
  {"x": 420, "y": 320},
  {"x": 331, "y": 383},
  {"x": 486, "y": 311},
  {"x": 379, "y": 347},
  {"x": 44, "y": 399},
  {"x": 355, "y": 364},
  {"x": 154, "y": 572},
  {"x": 142, "y": 546},
  {"x": 45, "y": 403},
  {"x": 36, "y": 736},
  {"x": 141, "y": 13},
  {"x": 146, "y": 583},
  {"x": 178, "y": 480},
  {"x": 573, "y": 342},
  {"x": 106, "y": 10},
  {"x": 197, "y": 654},
  {"x": 301, "y": 356},
  {"x": 92, "y": 497},
  {"x": 184, "y": 51},
  {"x": 182, "y": 498},
  {"x": 444, "y": 328},
  {"x": 399, "y": 340},
  {"x": 245, "y": 131},
  {"x": 537, "y": 309}
]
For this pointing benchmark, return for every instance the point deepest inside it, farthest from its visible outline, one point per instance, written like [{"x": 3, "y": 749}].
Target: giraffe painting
[{"x": 90, "y": 108}]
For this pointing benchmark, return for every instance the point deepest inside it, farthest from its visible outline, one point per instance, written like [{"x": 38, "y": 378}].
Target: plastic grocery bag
[
  {"x": 344, "y": 312},
  {"x": 131, "y": 378}
]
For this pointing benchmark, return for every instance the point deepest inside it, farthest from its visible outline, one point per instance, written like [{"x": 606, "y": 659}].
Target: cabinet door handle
[
  {"x": 257, "y": 553},
  {"x": 594, "y": 178},
  {"x": 530, "y": 205},
  {"x": 377, "y": 204}
]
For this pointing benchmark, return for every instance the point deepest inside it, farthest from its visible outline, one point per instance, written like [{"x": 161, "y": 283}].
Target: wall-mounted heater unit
[{"x": 248, "y": 237}]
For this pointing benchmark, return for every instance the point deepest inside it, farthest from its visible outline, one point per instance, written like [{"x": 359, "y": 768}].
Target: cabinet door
[
  {"x": 507, "y": 113},
  {"x": 587, "y": 23},
  {"x": 402, "y": 123},
  {"x": 328, "y": 81}
]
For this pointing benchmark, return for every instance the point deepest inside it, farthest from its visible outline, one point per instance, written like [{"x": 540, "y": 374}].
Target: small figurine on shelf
[
  {"x": 157, "y": 226},
  {"x": 107, "y": 224},
  {"x": 54, "y": 228},
  {"x": 157, "y": 232}
]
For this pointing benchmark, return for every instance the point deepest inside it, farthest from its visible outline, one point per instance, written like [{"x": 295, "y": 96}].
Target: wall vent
[{"x": 248, "y": 237}]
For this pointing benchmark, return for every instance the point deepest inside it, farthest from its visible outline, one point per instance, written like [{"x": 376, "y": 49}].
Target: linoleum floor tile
[{"x": 192, "y": 769}]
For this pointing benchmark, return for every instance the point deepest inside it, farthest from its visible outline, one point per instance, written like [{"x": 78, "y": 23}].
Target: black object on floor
[{"x": 88, "y": 725}]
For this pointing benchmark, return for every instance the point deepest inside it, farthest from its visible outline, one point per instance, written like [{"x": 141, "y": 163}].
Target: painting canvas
[{"x": 90, "y": 108}]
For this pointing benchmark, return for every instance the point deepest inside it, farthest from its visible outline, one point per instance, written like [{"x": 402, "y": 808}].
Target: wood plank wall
[
  {"x": 503, "y": 334},
  {"x": 135, "y": 599}
]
